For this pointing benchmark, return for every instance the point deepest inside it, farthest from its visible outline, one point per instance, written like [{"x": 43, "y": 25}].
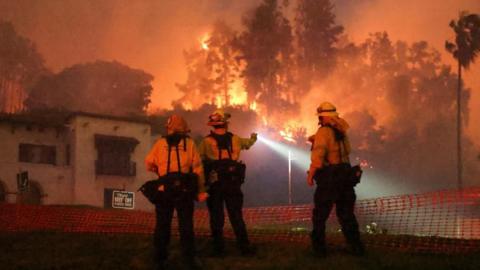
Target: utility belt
[
  {"x": 180, "y": 183},
  {"x": 175, "y": 185},
  {"x": 227, "y": 171},
  {"x": 342, "y": 174}
]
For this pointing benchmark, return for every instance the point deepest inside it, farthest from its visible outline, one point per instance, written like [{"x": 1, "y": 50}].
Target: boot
[
  {"x": 357, "y": 249},
  {"x": 319, "y": 251},
  {"x": 248, "y": 250},
  {"x": 218, "y": 249},
  {"x": 193, "y": 263},
  {"x": 160, "y": 265}
]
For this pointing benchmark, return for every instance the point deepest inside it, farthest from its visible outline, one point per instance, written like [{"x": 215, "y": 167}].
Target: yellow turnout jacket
[
  {"x": 209, "y": 148},
  {"x": 327, "y": 151},
  {"x": 157, "y": 160}
]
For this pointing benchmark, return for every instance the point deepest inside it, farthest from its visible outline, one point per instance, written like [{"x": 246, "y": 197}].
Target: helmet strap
[{"x": 220, "y": 126}]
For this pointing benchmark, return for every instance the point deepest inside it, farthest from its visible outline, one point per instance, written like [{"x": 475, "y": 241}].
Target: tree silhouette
[
  {"x": 99, "y": 87},
  {"x": 317, "y": 35},
  {"x": 20, "y": 66},
  {"x": 464, "y": 50},
  {"x": 266, "y": 52},
  {"x": 213, "y": 70}
]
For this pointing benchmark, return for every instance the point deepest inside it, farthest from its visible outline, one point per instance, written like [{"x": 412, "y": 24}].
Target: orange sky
[{"x": 151, "y": 34}]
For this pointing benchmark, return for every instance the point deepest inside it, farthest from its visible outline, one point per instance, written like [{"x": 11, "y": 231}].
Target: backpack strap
[
  {"x": 175, "y": 143},
  {"x": 168, "y": 159},
  {"x": 340, "y": 139},
  {"x": 229, "y": 146},
  {"x": 178, "y": 159}
]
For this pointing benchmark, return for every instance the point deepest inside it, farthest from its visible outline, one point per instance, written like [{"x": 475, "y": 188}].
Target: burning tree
[
  {"x": 266, "y": 51},
  {"x": 213, "y": 71},
  {"x": 389, "y": 91},
  {"x": 398, "y": 99},
  {"x": 20, "y": 66}
]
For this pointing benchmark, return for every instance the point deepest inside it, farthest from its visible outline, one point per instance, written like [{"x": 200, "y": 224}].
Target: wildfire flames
[
  {"x": 204, "y": 41},
  {"x": 284, "y": 126},
  {"x": 287, "y": 135}
]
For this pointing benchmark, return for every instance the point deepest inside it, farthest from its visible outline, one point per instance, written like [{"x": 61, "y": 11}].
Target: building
[{"x": 75, "y": 158}]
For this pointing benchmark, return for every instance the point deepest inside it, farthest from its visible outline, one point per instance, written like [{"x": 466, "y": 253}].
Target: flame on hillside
[
  {"x": 204, "y": 41},
  {"x": 238, "y": 95},
  {"x": 233, "y": 93}
]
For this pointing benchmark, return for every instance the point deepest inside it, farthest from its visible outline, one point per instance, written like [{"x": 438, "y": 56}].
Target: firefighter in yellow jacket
[
  {"x": 330, "y": 169},
  {"x": 176, "y": 161},
  {"x": 220, "y": 151}
]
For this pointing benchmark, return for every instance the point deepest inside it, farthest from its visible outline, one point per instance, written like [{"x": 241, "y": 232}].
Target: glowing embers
[
  {"x": 364, "y": 163},
  {"x": 292, "y": 131},
  {"x": 204, "y": 41},
  {"x": 287, "y": 135}
]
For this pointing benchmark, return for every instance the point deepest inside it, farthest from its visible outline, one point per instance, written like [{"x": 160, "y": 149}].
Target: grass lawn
[{"x": 52, "y": 250}]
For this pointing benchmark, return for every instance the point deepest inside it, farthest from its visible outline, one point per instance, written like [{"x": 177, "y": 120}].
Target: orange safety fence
[{"x": 443, "y": 221}]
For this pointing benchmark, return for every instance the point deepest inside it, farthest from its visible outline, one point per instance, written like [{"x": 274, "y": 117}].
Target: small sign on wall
[
  {"x": 123, "y": 199},
  {"x": 22, "y": 181}
]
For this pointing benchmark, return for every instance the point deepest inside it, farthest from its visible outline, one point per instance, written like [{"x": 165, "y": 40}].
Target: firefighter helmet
[
  {"x": 327, "y": 109},
  {"x": 176, "y": 124},
  {"x": 218, "y": 117}
]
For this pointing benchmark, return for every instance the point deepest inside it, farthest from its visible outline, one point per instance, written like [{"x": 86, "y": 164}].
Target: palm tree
[{"x": 465, "y": 50}]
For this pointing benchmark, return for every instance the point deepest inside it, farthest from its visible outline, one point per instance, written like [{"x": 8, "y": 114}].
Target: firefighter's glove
[
  {"x": 201, "y": 197},
  {"x": 310, "y": 180},
  {"x": 253, "y": 137}
]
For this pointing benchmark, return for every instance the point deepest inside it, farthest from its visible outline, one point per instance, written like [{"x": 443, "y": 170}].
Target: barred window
[
  {"x": 33, "y": 153},
  {"x": 114, "y": 154}
]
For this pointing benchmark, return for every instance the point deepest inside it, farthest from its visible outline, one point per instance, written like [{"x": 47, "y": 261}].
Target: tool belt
[
  {"x": 175, "y": 185},
  {"x": 338, "y": 175},
  {"x": 342, "y": 174},
  {"x": 226, "y": 170}
]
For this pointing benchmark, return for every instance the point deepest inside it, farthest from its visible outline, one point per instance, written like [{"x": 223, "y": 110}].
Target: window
[
  {"x": 33, "y": 153},
  {"x": 114, "y": 155}
]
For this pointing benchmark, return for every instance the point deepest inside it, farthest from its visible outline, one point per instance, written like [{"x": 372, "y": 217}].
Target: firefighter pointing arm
[{"x": 220, "y": 151}]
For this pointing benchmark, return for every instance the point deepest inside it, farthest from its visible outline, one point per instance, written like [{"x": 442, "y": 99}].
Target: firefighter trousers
[
  {"x": 344, "y": 199},
  {"x": 184, "y": 205},
  {"x": 233, "y": 199}
]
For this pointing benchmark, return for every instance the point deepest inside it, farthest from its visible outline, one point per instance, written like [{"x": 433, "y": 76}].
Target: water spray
[
  {"x": 299, "y": 157},
  {"x": 373, "y": 183}
]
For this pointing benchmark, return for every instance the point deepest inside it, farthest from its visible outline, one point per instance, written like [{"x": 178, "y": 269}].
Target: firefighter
[
  {"x": 181, "y": 180},
  {"x": 220, "y": 152},
  {"x": 329, "y": 168}
]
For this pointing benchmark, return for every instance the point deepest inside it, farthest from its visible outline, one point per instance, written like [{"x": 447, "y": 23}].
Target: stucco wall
[
  {"x": 89, "y": 187},
  {"x": 55, "y": 180}
]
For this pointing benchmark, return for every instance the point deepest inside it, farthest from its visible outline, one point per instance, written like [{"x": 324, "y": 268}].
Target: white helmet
[{"x": 327, "y": 109}]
